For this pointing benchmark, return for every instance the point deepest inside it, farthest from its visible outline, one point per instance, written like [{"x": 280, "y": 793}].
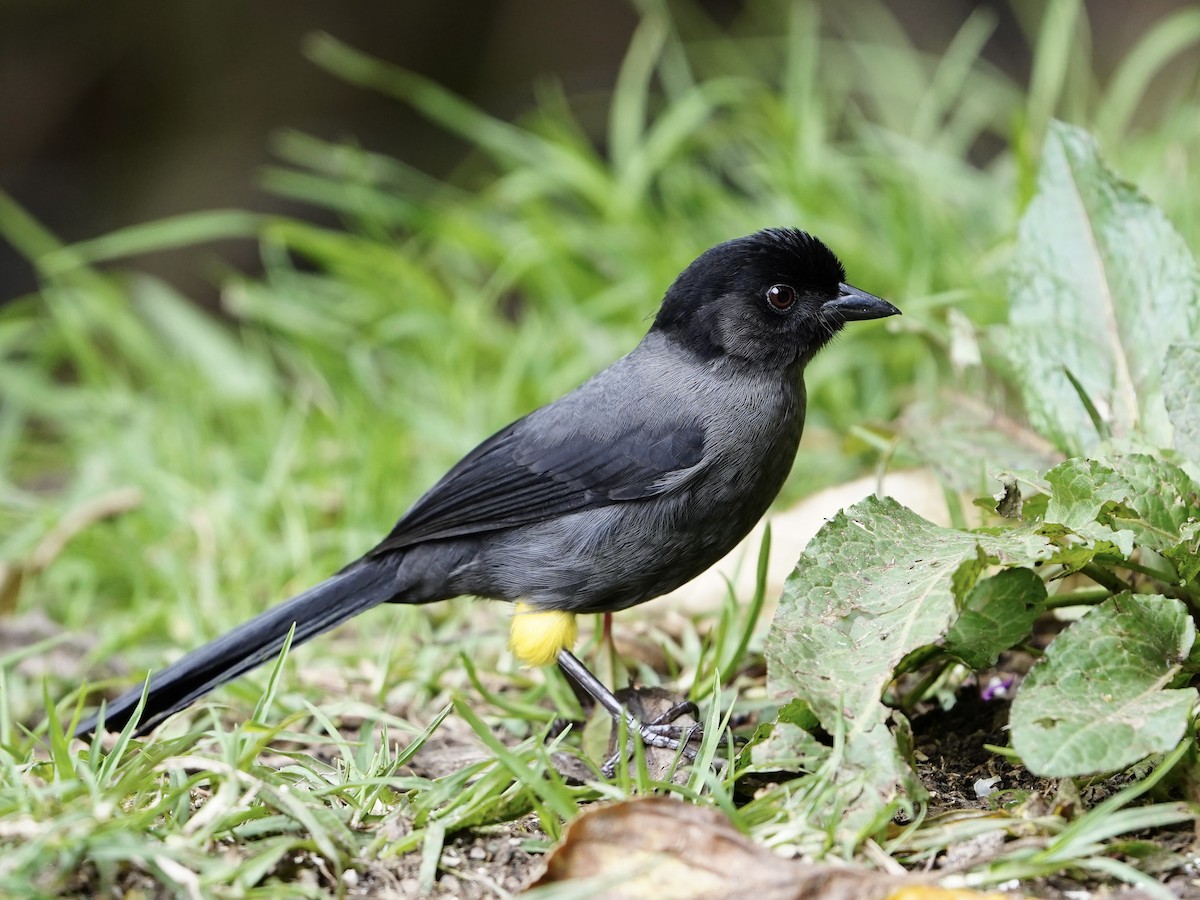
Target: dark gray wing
[{"x": 518, "y": 476}]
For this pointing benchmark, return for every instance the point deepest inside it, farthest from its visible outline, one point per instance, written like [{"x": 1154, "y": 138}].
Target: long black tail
[{"x": 364, "y": 584}]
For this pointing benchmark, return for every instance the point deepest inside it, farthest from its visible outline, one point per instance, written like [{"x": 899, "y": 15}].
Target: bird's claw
[
  {"x": 683, "y": 708},
  {"x": 661, "y": 734}
]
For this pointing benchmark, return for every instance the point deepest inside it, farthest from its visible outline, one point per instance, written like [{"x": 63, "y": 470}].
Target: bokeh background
[{"x": 124, "y": 112}]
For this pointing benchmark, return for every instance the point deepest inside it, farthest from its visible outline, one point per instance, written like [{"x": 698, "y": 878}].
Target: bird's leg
[
  {"x": 608, "y": 644},
  {"x": 656, "y": 733},
  {"x": 687, "y": 707}
]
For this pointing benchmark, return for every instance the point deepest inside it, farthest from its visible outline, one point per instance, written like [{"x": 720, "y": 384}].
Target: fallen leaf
[
  {"x": 661, "y": 848},
  {"x": 105, "y": 506},
  {"x": 13, "y": 574}
]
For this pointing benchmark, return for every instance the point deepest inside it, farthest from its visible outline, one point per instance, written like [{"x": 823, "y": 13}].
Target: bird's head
[{"x": 773, "y": 298}]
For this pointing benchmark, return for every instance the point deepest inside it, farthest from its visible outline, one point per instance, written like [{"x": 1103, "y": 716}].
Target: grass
[{"x": 267, "y": 448}]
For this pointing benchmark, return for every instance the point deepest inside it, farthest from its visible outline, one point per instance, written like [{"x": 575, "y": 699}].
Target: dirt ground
[
  {"x": 954, "y": 765},
  {"x": 956, "y": 768},
  {"x": 952, "y": 759}
]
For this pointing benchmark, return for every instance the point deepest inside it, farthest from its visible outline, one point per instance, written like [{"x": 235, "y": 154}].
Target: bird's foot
[
  {"x": 661, "y": 733},
  {"x": 641, "y": 717}
]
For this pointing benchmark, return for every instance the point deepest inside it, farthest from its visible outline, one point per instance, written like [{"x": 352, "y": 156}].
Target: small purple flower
[{"x": 996, "y": 688}]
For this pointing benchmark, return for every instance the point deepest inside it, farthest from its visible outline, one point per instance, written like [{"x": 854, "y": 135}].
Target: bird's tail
[{"x": 355, "y": 589}]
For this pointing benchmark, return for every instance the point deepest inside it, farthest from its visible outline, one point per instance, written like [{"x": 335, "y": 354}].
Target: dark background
[{"x": 116, "y": 113}]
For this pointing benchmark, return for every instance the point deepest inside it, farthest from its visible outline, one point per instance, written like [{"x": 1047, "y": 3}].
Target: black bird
[{"x": 615, "y": 493}]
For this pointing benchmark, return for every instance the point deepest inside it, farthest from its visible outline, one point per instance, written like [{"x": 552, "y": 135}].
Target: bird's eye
[{"x": 781, "y": 296}]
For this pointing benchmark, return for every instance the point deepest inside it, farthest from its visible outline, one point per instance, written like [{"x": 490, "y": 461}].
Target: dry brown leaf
[
  {"x": 107, "y": 505},
  {"x": 12, "y": 574},
  {"x": 656, "y": 847},
  {"x": 662, "y": 848}
]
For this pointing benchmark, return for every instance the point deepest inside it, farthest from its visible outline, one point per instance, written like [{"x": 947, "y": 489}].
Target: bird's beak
[{"x": 853, "y": 305}]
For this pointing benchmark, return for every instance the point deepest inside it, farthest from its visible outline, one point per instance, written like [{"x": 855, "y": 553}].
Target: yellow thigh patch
[{"x": 537, "y": 635}]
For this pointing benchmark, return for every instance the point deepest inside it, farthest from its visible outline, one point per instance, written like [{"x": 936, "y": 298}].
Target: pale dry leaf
[{"x": 661, "y": 848}]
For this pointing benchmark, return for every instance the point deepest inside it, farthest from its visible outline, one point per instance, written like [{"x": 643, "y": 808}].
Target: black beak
[{"x": 853, "y": 305}]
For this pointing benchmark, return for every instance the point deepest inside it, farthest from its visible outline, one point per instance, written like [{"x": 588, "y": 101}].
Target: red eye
[{"x": 781, "y": 296}]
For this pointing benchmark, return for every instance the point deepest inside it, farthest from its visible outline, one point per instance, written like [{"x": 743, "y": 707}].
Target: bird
[{"x": 616, "y": 493}]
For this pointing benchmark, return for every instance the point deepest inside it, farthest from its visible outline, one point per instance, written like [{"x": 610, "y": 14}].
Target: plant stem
[
  {"x": 1104, "y": 577},
  {"x": 1157, "y": 574},
  {"x": 1081, "y": 597},
  {"x": 912, "y": 697}
]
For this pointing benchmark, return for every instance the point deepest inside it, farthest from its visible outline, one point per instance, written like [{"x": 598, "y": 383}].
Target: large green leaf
[
  {"x": 1100, "y": 699},
  {"x": 1124, "y": 501},
  {"x": 997, "y": 614},
  {"x": 876, "y": 583},
  {"x": 1181, "y": 390},
  {"x": 1101, "y": 285}
]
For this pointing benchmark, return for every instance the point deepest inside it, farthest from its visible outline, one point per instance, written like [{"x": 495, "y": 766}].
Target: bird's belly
[{"x": 620, "y": 555}]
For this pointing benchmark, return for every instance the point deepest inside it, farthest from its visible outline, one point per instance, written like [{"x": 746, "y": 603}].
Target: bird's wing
[{"x": 520, "y": 475}]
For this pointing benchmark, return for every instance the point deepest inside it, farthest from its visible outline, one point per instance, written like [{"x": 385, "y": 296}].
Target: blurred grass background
[{"x": 396, "y": 311}]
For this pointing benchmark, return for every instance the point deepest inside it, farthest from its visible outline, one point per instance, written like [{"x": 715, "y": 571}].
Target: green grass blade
[
  {"x": 164, "y": 234},
  {"x": 1167, "y": 39}
]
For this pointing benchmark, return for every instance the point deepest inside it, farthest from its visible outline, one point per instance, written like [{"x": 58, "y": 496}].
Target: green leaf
[
  {"x": 1099, "y": 699},
  {"x": 1127, "y": 499},
  {"x": 1186, "y": 554},
  {"x": 1181, "y": 390},
  {"x": 1080, "y": 488},
  {"x": 963, "y": 439},
  {"x": 788, "y": 744},
  {"x": 876, "y": 583},
  {"x": 997, "y": 614},
  {"x": 1163, "y": 499},
  {"x": 1100, "y": 277}
]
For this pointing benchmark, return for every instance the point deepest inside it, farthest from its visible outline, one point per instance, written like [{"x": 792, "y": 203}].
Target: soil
[
  {"x": 952, "y": 760},
  {"x": 954, "y": 764},
  {"x": 960, "y": 773}
]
